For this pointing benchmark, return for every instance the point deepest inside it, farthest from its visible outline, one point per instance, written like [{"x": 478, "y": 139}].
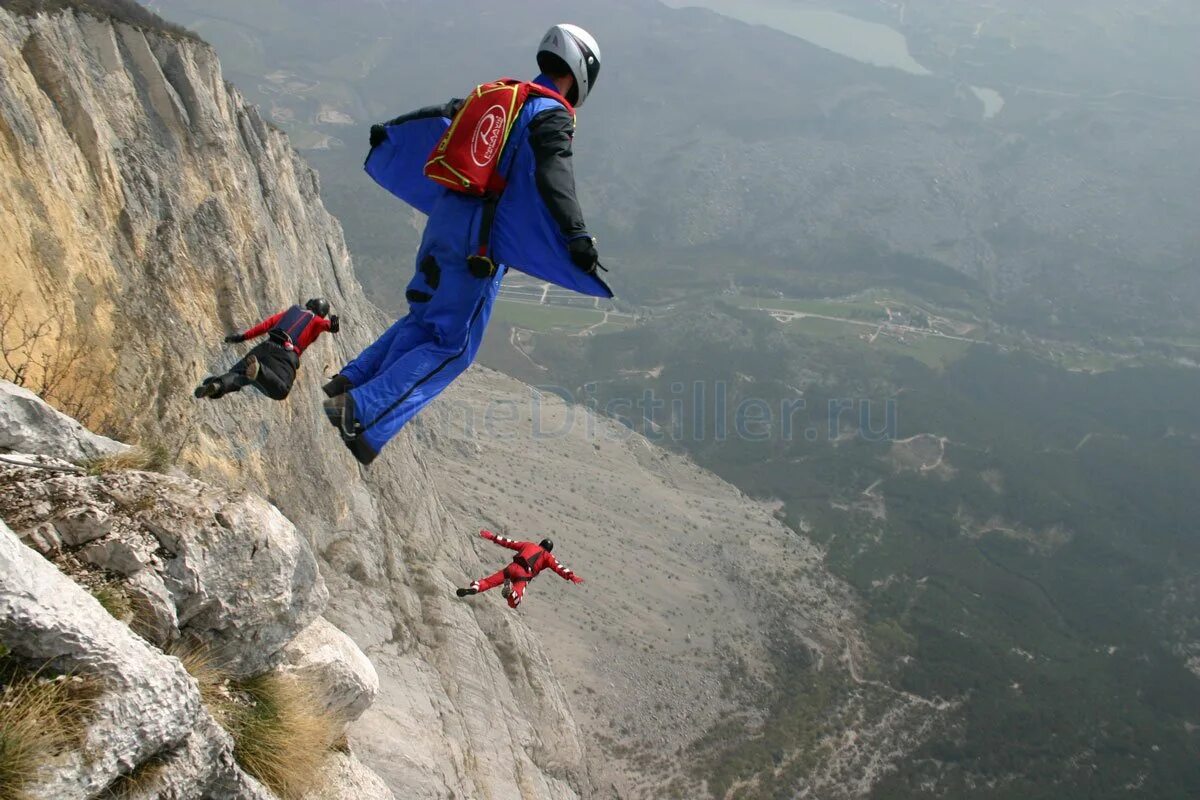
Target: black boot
[
  {"x": 339, "y": 385},
  {"x": 339, "y": 411},
  {"x": 210, "y": 388},
  {"x": 360, "y": 450},
  {"x": 467, "y": 591}
]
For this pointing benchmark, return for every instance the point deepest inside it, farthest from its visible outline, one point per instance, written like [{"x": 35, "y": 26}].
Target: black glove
[
  {"x": 234, "y": 338},
  {"x": 378, "y": 135},
  {"x": 335, "y": 323},
  {"x": 583, "y": 253}
]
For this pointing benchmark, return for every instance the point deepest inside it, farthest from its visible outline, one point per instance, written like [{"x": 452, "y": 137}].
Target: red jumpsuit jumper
[
  {"x": 526, "y": 564},
  {"x": 277, "y": 360}
]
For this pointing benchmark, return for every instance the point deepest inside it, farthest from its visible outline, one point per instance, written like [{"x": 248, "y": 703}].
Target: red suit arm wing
[
  {"x": 563, "y": 570},
  {"x": 503, "y": 541},
  {"x": 264, "y": 326}
]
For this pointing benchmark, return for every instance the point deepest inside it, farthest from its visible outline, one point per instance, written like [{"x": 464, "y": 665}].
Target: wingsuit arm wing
[
  {"x": 550, "y": 135},
  {"x": 503, "y": 541},
  {"x": 447, "y": 109},
  {"x": 400, "y": 148},
  {"x": 564, "y": 571},
  {"x": 262, "y": 327}
]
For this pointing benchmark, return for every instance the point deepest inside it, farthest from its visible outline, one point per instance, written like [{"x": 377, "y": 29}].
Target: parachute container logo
[{"x": 488, "y": 132}]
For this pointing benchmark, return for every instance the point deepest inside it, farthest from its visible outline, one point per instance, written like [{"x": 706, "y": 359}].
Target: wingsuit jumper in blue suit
[{"x": 449, "y": 307}]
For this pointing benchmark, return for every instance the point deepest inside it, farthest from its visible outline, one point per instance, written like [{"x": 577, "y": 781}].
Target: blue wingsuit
[{"x": 449, "y": 308}]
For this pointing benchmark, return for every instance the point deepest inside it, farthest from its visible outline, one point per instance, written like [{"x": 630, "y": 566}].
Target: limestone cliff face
[{"x": 145, "y": 211}]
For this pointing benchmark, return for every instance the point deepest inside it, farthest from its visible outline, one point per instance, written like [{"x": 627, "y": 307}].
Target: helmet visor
[{"x": 590, "y": 62}]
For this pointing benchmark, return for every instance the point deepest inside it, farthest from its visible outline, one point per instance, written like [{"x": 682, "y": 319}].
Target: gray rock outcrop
[
  {"x": 328, "y": 658},
  {"x": 147, "y": 706},
  {"x": 225, "y": 570},
  {"x": 29, "y": 425},
  {"x": 350, "y": 780}
]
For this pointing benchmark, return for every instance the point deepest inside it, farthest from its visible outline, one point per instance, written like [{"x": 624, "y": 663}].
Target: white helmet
[{"x": 576, "y": 48}]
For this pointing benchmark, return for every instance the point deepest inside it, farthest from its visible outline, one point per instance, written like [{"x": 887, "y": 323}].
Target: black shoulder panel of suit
[
  {"x": 550, "y": 135},
  {"x": 447, "y": 109}
]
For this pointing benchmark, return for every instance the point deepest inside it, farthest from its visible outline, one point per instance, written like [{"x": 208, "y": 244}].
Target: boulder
[
  {"x": 29, "y": 425},
  {"x": 202, "y": 768},
  {"x": 154, "y": 615},
  {"x": 43, "y": 538},
  {"x": 83, "y": 524},
  {"x": 236, "y": 573},
  {"x": 243, "y": 580},
  {"x": 328, "y": 659},
  {"x": 126, "y": 558},
  {"x": 348, "y": 779}
]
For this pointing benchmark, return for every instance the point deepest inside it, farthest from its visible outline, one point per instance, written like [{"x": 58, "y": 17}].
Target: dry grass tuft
[
  {"x": 139, "y": 783},
  {"x": 152, "y": 458},
  {"x": 283, "y": 735},
  {"x": 213, "y": 682},
  {"x": 40, "y": 718}
]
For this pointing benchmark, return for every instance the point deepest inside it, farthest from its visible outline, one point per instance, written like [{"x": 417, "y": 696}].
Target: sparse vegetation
[
  {"x": 282, "y": 733},
  {"x": 146, "y": 458},
  {"x": 126, "y": 11},
  {"x": 36, "y": 354},
  {"x": 769, "y": 757},
  {"x": 213, "y": 682},
  {"x": 115, "y": 601},
  {"x": 41, "y": 717}
]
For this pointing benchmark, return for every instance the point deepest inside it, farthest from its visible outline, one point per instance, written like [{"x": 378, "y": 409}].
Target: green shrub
[{"x": 115, "y": 601}]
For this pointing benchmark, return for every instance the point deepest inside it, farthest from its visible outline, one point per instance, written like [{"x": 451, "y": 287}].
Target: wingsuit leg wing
[{"x": 425, "y": 352}]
